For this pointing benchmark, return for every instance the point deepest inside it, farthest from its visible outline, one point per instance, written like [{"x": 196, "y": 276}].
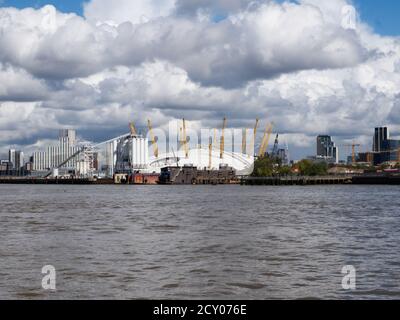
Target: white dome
[{"x": 242, "y": 163}]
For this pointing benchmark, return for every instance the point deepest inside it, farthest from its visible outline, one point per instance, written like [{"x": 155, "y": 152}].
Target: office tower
[
  {"x": 19, "y": 160},
  {"x": 322, "y": 142},
  {"x": 326, "y": 148},
  {"x": 11, "y": 159},
  {"x": 380, "y": 136}
]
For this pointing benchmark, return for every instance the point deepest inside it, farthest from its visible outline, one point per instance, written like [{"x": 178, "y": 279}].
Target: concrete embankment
[
  {"x": 383, "y": 179},
  {"x": 54, "y": 181},
  {"x": 296, "y": 180},
  {"x": 367, "y": 179}
]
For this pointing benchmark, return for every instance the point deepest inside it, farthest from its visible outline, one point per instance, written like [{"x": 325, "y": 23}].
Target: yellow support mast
[
  {"x": 210, "y": 149},
  {"x": 133, "y": 129},
  {"x": 265, "y": 140},
  {"x": 184, "y": 140},
  {"x": 244, "y": 141},
  {"x": 222, "y": 144},
  {"x": 153, "y": 139},
  {"x": 253, "y": 142}
]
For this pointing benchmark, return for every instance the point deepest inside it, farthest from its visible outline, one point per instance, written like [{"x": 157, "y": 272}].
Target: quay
[
  {"x": 296, "y": 180},
  {"x": 188, "y": 176},
  {"x": 74, "y": 181},
  {"x": 358, "y": 179},
  {"x": 377, "y": 179}
]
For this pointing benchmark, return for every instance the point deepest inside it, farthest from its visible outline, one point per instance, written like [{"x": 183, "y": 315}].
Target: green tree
[
  {"x": 263, "y": 167},
  {"x": 310, "y": 168},
  {"x": 269, "y": 166},
  {"x": 285, "y": 170}
]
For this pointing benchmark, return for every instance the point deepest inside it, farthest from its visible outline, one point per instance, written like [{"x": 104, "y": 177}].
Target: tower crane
[
  {"x": 353, "y": 146},
  {"x": 397, "y": 154},
  {"x": 153, "y": 139},
  {"x": 276, "y": 144}
]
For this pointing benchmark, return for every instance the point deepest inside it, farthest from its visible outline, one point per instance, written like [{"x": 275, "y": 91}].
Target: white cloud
[
  {"x": 290, "y": 63},
  {"x": 255, "y": 44},
  {"x": 119, "y": 11},
  {"x": 19, "y": 85}
]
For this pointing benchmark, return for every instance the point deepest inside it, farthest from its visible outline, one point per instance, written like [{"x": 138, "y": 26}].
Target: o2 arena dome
[{"x": 203, "y": 158}]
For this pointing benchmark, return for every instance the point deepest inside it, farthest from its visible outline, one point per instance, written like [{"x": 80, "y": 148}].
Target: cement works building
[{"x": 55, "y": 155}]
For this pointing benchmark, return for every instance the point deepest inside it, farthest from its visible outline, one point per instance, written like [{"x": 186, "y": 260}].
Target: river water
[{"x": 195, "y": 242}]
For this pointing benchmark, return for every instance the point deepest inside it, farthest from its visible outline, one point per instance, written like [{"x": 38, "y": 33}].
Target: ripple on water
[
  {"x": 226, "y": 242},
  {"x": 251, "y": 286}
]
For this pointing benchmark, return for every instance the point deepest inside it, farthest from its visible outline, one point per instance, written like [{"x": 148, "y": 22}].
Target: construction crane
[
  {"x": 276, "y": 145},
  {"x": 397, "y": 152},
  {"x": 265, "y": 140},
  {"x": 184, "y": 140},
  {"x": 222, "y": 144},
  {"x": 353, "y": 150},
  {"x": 132, "y": 129},
  {"x": 153, "y": 139}
]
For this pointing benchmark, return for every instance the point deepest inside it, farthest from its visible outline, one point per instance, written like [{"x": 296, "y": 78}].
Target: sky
[
  {"x": 306, "y": 65},
  {"x": 382, "y": 15}
]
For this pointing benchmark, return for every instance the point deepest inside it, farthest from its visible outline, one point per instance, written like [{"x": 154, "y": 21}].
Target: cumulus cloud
[
  {"x": 19, "y": 85},
  {"x": 216, "y": 8},
  {"x": 256, "y": 44},
  {"x": 291, "y": 63},
  {"x": 119, "y": 11}
]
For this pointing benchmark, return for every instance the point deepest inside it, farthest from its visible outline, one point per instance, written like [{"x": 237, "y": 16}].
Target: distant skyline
[{"x": 308, "y": 66}]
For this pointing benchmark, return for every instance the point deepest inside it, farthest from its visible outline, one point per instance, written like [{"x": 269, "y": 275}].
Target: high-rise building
[
  {"x": 111, "y": 158},
  {"x": 11, "y": 158},
  {"x": 19, "y": 160},
  {"x": 322, "y": 141},
  {"x": 67, "y": 135},
  {"x": 282, "y": 155},
  {"x": 385, "y": 149},
  {"x": 327, "y": 149},
  {"x": 380, "y": 136}
]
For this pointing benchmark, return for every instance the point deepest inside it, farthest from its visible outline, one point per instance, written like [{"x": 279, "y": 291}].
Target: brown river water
[{"x": 199, "y": 242}]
